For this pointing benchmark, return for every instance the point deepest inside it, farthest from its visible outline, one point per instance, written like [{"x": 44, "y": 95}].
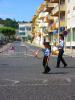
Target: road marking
[
  {"x": 29, "y": 55},
  {"x": 45, "y": 81},
  {"x": 36, "y": 84},
  {"x": 13, "y": 82},
  {"x": 14, "y": 54},
  {"x": 69, "y": 80}
]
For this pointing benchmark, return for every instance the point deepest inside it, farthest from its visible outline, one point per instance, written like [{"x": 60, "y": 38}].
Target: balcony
[
  {"x": 55, "y": 11},
  {"x": 43, "y": 25},
  {"x": 54, "y": 1},
  {"x": 48, "y": 20},
  {"x": 47, "y": 0},
  {"x": 51, "y": 18},
  {"x": 43, "y": 15},
  {"x": 49, "y": 7}
]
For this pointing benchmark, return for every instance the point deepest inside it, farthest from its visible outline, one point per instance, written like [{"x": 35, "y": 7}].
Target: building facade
[
  {"x": 25, "y": 30},
  {"x": 56, "y": 17},
  {"x": 70, "y": 23}
]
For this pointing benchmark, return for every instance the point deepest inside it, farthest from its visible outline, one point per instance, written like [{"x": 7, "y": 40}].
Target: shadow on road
[
  {"x": 71, "y": 67},
  {"x": 57, "y": 72}
]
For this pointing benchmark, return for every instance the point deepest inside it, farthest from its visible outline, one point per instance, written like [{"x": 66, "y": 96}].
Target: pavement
[
  {"x": 70, "y": 52},
  {"x": 5, "y": 47},
  {"x": 21, "y": 78}
]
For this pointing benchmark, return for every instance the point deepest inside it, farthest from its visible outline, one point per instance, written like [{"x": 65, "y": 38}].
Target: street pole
[{"x": 59, "y": 21}]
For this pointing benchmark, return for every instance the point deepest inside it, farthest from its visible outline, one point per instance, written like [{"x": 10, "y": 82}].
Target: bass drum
[{"x": 55, "y": 50}]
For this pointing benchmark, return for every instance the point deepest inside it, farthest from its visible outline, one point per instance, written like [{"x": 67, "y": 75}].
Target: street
[{"x": 21, "y": 76}]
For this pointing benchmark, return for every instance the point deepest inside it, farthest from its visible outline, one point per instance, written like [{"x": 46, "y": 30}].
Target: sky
[{"x": 20, "y": 10}]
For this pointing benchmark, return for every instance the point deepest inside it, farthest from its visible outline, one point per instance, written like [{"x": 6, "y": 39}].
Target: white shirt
[
  {"x": 61, "y": 44},
  {"x": 47, "y": 52}
]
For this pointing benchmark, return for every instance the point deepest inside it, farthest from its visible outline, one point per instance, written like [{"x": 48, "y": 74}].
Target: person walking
[
  {"x": 46, "y": 57},
  {"x": 61, "y": 51}
]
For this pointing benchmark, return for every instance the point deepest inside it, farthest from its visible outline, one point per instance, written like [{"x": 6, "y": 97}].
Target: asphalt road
[{"x": 21, "y": 76}]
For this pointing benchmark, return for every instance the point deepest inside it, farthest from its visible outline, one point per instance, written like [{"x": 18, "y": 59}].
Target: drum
[{"x": 55, "y": 50}]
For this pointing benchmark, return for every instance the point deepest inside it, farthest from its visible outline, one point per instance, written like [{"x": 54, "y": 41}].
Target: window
[
  {"x": 68, "y": 11},
  {"x": 22, "y": 33},
  {"x": 28, "y": 28},
  {"x": 68, "y": 1},
  {"x": 74, "y": 8},
  {"x": 22, "y": 28},
  {"x": 62, "y": 1},
  {"x": 73, "y": 34},
  {"x": 69, "y": 36}
]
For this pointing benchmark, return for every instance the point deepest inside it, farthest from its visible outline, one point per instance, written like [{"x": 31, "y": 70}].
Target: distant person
[
  {"x": 46, "y": 57},
  {"x": 61, "y": 51}
]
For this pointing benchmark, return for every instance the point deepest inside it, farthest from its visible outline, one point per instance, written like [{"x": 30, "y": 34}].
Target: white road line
[
  {"x": 45, "y": 81},
  {"x": 29, "y": 55},
  {"x": 13, "y": 82},
  {"x": 36, "y": 84},
  {"x": 69, "y": 80}
]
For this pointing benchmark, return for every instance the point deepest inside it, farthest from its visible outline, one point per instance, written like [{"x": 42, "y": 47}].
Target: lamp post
[{"x": 59, "y": 21}]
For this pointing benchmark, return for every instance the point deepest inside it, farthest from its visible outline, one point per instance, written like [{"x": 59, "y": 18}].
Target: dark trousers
[
  {"x": 45, "y": 64},
  {"x": 60, "y": 58}
]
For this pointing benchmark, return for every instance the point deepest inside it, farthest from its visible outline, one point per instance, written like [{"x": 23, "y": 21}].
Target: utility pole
[{"x": 59, "y": 21}]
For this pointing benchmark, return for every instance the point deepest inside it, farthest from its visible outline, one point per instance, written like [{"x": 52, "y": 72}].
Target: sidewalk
[
  {"x": 5, "y": 47},
  {"x": 70, "y": 52}
]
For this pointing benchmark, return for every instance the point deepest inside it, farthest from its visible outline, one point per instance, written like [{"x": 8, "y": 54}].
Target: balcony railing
[
  {"x": 48, "y": 7},
  {"x": 46, "y": 0},
  {"x": 56, "y": 9},
  {"x": 54, "y": 1},
  {"x": 50, "y": 17},
  {"x": 42, "y": 15}
]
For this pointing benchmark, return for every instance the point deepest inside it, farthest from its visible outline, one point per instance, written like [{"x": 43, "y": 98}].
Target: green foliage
[
  {"x": 30, "y": 38},
  {"x": 9, "y": 23},
  {"x": 7, "y": 31}
]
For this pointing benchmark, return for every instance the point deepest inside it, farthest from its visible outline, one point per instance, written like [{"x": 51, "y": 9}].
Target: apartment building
[
  {"x": 70, "y": 23},
  {"x": 56, "y": 17},
  {"x": 39, "y": 25},
  {"x": 25, "y": 29},
  {"x": 47, "y": 20},
  {"x": 58, "y": 22}
]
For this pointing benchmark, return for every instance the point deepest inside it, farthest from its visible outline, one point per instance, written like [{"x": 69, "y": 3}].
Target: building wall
[
  {"x": 71, "y": 23},
  {"x": 25, "y": 29}
]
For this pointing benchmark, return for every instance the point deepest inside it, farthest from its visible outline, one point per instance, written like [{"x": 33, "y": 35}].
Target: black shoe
[
  {"x": 47, "y": 69},
  {"x": 57, "y": 66},
  {"x": 65, "y": 65},
  {"x": 44, "y": 72}
]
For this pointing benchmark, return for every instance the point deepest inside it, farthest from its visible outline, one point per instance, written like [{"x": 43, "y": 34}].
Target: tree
[
  {"x": 9, "y": 23},
  {"x": 7, "y": 31}
]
